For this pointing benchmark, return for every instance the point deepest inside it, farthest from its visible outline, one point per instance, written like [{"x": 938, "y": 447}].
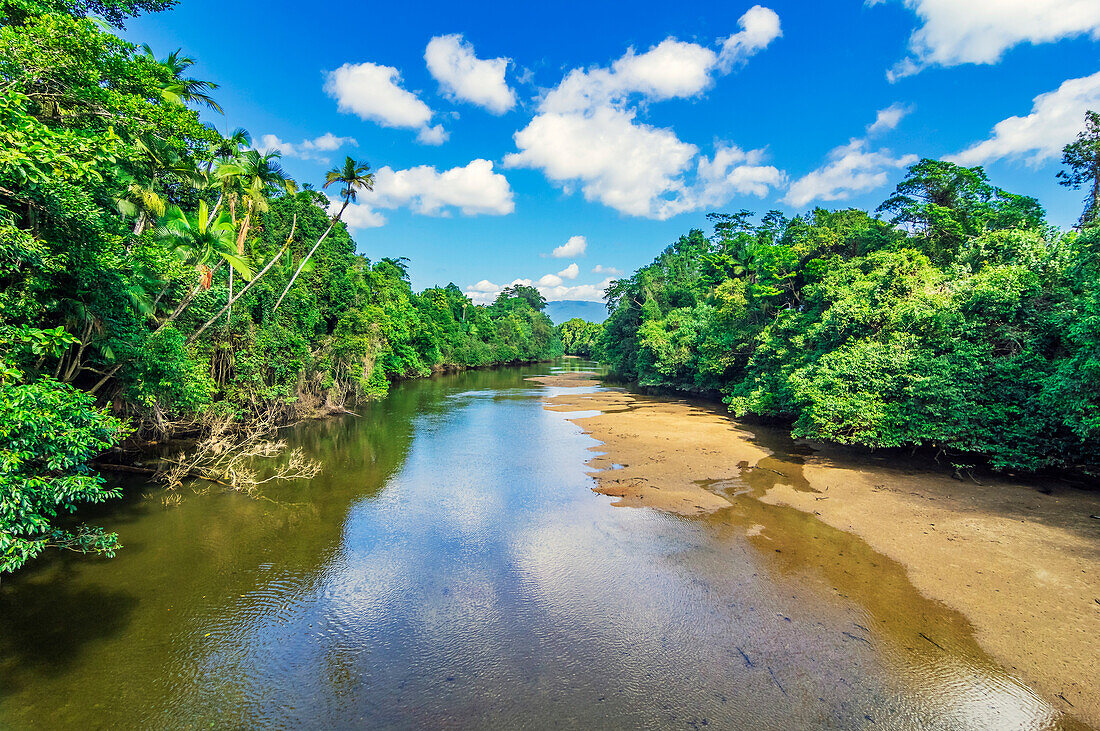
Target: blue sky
[{"x": 500, "y": 132}]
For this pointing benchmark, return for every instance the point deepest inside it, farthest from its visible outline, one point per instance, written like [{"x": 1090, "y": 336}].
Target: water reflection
[{"x": 451, "y": 567}]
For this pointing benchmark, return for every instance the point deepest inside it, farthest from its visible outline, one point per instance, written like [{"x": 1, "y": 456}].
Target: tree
[
  {"x": 254, "y": 175},
  {"x": 180, "y": 89},
  {"x": 945, "y": 203},
  {"x": 49, "y": 432},
  {"x": 520, "y": 293},
  {"x": 199, "y": 239},
  {"x": 353, "y": 176},
  {"x": 1082, "y": 160}
]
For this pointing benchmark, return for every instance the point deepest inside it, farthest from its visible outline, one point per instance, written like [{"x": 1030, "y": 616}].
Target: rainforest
[{"x": 821, "y": 468}]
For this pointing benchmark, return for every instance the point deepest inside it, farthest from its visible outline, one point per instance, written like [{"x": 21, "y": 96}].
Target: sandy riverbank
[{"x": 1020, "y": 567}]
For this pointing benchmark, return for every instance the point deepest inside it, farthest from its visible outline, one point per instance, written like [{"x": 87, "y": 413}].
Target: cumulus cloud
[
  {"x": 357, "y": 215},
  {"x": 620, "y": 163},
  {"x": 980, "y": 31},
  {"x": 484, "y": 286},
  {"x": 374, "y": 93},
  {"x": 670, "y": 69},
  {"x": 1056, "y": 117},
  {"x": 585, "y": 292},
  {"x": 887, "y": 119},
  {"x": 306, "y": 149},
  {"x": 549, "y": 286},
  {"x": 586, "y": 131},
  {"x": 732, "y": 170},
  {"x": 575, "y": 246},
  {"x": 610, "y": 271},
  {"x": 759, "y": 27},
  {"x": 851, "y": 168},
  {"x": 462, "y": 75},
  {"x": 570, "y": 272},
  {"x": 473, "y": 189}
]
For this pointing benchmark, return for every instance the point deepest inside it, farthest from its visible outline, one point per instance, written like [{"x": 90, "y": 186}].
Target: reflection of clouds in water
[
  {"x": 487, "y": 585},
  {"x": 958, "y": 694}
]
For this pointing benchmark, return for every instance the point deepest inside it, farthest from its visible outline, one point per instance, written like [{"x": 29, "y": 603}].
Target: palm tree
[
  {"x": 270, "y": 263},
  {"x": 199, "y": 239},
  {"x": 200, "y": 242},
  {"x": 139, "y": 199},
  {"x": 180, "y": 89},
  {"x": 352, "y": 176},
  {"x": 253, "y": 175},
  {"x": 227, "y": 148},
  {"x": 155, "y": 158}
]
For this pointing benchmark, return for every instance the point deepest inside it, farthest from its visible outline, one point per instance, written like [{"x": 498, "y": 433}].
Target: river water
[{"x": 451, "y": 567}]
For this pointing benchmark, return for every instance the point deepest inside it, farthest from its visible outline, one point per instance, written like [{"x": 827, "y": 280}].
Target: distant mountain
[{"x": 559, "y": 312}]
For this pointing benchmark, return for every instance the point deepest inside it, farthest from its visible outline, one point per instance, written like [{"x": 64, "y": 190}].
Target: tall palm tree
[
  {"x": 253, "y": 175},
  {"x": 200, "y": 242},
  {"x": 180, "y": 89},
  {"x": 353, "y": 176},
  {"x": 198, "y": 239}
]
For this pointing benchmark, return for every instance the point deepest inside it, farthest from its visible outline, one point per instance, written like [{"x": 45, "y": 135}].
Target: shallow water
[{"x": 451, "y": 567}]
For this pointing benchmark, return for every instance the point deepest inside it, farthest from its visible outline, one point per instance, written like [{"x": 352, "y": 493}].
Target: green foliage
[
  {"x": 972, "y": 329},
  {"x": 49, "y": 432},
  {"x": 579, "y": 337},
  {"x": 147, "y": 260},
  {"x": 1082, "y": 160}
]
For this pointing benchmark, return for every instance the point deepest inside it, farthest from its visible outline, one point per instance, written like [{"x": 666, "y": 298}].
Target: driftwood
[{"x": 113, "y": 467}]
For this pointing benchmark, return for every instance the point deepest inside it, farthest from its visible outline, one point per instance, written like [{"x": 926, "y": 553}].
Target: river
[{"x": 452, "y": 567}]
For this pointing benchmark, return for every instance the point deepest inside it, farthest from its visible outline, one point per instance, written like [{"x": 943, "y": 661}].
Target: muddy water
[{"x": 452, "y": 567}]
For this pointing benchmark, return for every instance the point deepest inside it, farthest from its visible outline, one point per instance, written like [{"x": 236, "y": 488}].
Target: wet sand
[{"x": 1006, "y": 567}]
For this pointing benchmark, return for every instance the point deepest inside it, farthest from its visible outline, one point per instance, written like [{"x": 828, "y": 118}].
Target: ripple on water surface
[{"x": 451, "y": 567}]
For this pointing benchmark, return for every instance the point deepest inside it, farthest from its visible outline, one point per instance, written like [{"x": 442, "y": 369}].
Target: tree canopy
[{"x": 965, "y": 323}]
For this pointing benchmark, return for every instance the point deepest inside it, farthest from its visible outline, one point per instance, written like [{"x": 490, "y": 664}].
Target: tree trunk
[
  {"x": 255, "y": 279},
  {"x": 307, "y": 256}
]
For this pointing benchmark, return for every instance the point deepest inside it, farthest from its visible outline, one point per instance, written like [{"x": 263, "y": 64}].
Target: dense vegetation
[
  {"x": 154, "y": 273},
  {"x": 580, "y": 337},
  {"x": 962, "y": 322}
]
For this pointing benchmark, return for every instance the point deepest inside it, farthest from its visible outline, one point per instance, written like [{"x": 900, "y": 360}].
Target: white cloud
[
  {"x": 586, "y": 131},
  {"x": 357, "y": 215},
  {"x": 306, "y": 149},
  {"x": 550, "y": 286},
  {"x": 888, "y": 118},
  {"x": 1056, "y": 118},
  {"x": 759, "y": 27},
  {"x": 329, "y": 142},
  {"x": 432, "y": 135},
  {"x": 474, "y": 189},
  {"x": 575, "y": 246},
  {"x": 669, "y": 70},
  {"x": 610, "y": 271},
  {"x": 624, "y": 165},
  {"x": 954, "y": 32},
  {"x": 733, "y": 171},
  {"x": 462, "y": 75},
  {"x": 851, "y": 168},
  {"x": 586, "y": 292},
  {"x": 570, "y": 272},
  {"x": 484, "y": 286},
  {"x": 373, "y": 92},
  {"x": 484, "y": 292}
]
